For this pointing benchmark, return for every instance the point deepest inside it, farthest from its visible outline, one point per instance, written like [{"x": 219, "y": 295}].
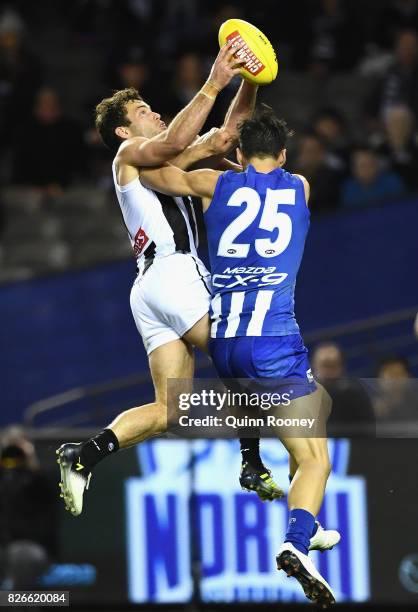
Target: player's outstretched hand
[
  {"x": 219, "y": 141},
  {"x": 226, "y": 65}
]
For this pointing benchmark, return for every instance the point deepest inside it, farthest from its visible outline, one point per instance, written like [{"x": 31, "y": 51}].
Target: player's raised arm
[
  {"x": 214, "y": 144},
  {"x": 186, "y": 125},
  {"x": 208, "y": 151},
  {"x": 241, "y": 107},
  {"x": 173, "y": 181}
]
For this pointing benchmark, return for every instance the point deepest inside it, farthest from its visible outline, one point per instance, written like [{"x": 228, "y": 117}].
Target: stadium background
[{"x": 69, "y": 351}]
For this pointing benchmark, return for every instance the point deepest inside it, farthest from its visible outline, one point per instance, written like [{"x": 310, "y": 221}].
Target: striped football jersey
[
  {"x": 157, "y": 224},
  {"x": 257, "y": 225}
]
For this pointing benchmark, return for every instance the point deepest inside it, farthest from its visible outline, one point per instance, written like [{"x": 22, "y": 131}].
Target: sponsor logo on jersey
[
  {"x": 141, "y": 240},
  {"x": 248, "y": 277}
]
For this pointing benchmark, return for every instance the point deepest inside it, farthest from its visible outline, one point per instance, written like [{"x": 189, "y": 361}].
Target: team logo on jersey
[
  {"x": 309, "y": 375},
  {"x": 141, "y": 240}
]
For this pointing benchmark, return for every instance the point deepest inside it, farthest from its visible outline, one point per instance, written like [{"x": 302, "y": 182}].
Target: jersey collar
[{"x": 251, "y": 170}]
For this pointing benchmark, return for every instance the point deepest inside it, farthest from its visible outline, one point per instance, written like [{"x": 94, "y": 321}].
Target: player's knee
[
  {"x": 324, "y": 465},
  {"x": 320, "y": 456},
  {"x": 316, "y": 459},
  {"x": 318, "y": 466}
]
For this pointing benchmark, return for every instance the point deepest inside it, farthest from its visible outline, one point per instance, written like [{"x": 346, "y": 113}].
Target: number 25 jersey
[{"x": 257, "y": 225}]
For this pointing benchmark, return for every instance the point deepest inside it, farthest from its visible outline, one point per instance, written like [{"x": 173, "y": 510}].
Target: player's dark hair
[
  {"x": 110, "y": 113},
  {"x": 264, "y": 135}
]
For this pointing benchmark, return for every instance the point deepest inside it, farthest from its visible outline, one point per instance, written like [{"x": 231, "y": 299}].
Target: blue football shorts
[{"x": 269, "y": 363}]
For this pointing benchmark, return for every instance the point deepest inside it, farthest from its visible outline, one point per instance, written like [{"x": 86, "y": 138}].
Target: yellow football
[{"x": 261, "y": 61}]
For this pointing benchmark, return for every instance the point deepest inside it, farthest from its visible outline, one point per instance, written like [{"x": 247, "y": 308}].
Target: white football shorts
[{"x": 169, "y": 298}]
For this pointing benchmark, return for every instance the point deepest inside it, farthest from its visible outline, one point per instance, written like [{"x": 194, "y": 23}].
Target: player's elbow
[
  {"x": 155, "y": 154},
  {"x": 176, "y": 145}
]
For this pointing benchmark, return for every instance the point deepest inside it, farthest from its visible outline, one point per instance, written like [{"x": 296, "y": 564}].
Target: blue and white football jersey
[{"x": 257, "y": 225}]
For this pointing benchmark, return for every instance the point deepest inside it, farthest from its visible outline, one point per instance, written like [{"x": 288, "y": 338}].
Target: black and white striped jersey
[{"x": 157, "y": 224}]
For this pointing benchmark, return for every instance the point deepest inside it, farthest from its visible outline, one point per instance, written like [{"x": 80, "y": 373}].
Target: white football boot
[
  {"x": 324, "y": 539},
  {"x": 74, "y": 479},
  {"x": 300, "y": 566}
]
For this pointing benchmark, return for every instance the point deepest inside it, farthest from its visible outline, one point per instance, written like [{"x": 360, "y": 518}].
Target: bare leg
[
  {"x": 293, "y": 466},
  {"x": 310, "y": 458},
  {"x": 251, "y": 479},
  {"x": 172, "y": 360},
  {"x": 308, "y": 484},
  {"x": 77, "y": 461},
  {"x": 199, "y": 334},
  {"x": 309, "y": 462}
]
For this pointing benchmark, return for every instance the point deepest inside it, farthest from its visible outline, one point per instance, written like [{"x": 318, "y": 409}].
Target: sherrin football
[{"x": 261, "y": 65}]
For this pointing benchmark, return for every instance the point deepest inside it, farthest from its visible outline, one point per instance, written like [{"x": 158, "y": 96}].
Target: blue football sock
[
  {"x": 315, "y": 527},
  {"x": 300, "y": 529}
]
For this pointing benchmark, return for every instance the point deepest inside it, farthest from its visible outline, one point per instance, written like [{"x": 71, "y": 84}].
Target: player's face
[{"x": 144, "y": 122}]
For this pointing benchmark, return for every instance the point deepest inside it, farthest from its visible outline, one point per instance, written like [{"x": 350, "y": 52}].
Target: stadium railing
[{"x": 363, "y": 341}]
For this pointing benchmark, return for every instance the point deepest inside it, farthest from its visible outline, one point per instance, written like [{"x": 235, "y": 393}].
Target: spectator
[
  {"x": 368, "y": 184},
  {"x": 188, "y": 79},
  {"x": 397, "y": 398},
  {"x": 49, "y": 150},
  {"x": 184, "y": 24},
  {"x": 328, "y": 361},
  {"x": 220, "y": 12},
  {"x": 399, "y": 145},
  {"x": 352, "y": 410},
  {"x": 400, "y": 85},
  {"x": 20, "y": 74},
  {"x": 27, "y": 528},
  {"x": 133, "y": 70},
  {"x": 113, "y": 23},
  {"x": 398, "y": 15},
  {"x": 330, "y": 125},
  {"x": 332, "y": 44},
  {"x": 393, "y": 368},
  {"x": 324, "y": 180}
]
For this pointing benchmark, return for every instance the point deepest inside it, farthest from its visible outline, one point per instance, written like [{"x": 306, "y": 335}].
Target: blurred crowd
[
  {"x": 165, "y": 47},
  {"x": 28, "y": 513},
  {"x": 367, "y": 407}
]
